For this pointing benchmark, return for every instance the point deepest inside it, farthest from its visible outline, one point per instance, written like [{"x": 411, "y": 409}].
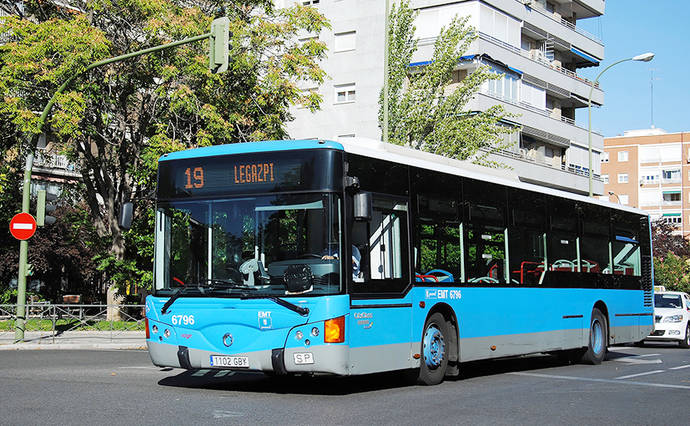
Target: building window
[
  {"x": 605, "y": 178},
  {"x": 623, "y": 156},
  {"x": 622, "y": 178},
  {"x": 624, "y": 199},
  {"x": 605, "y": 157},
  {"x": 344, "y": 41},
  {"x": 671, "y": 196},
  {"x": 345, "y": 93},
  {"x": 672, "y": 218},
  {"x": 309, "y": 2},
  {"x": 671, "y": 175},
  {"x": 649, "y": 179}
]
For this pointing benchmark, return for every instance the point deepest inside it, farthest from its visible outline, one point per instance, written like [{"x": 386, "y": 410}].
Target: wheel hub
[{"x": 434, "y": 347}]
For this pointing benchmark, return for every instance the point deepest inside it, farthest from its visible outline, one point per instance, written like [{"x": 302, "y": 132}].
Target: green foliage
[
  {"x": 426, "y": 111},
  {"x": 672, "y": 272},
  {"x": 115, "y": 121}
]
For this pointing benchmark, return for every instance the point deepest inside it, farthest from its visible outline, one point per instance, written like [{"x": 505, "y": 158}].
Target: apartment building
[
  {"x": 650, "y": 169},
  {"x": 535, "y": 45}
]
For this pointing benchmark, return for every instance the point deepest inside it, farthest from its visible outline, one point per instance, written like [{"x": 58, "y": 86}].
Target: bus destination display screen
[{"x": 247, "y": 173}]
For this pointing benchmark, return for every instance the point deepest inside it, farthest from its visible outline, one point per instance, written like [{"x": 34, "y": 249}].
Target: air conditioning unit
[{"x": 538, "y": 55}]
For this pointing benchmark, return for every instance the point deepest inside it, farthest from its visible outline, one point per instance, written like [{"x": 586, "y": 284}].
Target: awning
[
  {"x": 425, "y": 63},
  {"x": 670, "y": 215},
  {"x": 583, "y": 55},
  {"x": 671, "y": 192}
]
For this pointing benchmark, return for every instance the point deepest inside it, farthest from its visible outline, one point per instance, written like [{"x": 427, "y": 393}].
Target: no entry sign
[{"x": 22, "y": 226}]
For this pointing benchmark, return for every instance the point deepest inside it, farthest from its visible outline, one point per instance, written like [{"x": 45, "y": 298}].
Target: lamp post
[
  {"x": 645, "y": 57},
  {"x": 615, "y": 195}
]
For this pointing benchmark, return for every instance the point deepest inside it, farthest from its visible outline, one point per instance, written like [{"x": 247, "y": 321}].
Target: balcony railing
[
  {"x": 527, "y": 54},
  {"x": 49, "y": 161},
  {"x": 558, "y": 18},
  {"x": 523, "y": 156}
]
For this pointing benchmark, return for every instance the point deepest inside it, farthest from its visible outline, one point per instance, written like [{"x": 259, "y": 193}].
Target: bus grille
[{"x": 647, "y": 280}]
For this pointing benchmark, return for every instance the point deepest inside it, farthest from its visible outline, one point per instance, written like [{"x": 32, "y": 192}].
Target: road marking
[
  {"x": 220, "y": 414},
  {"x": 646, "y": 373},
  {"x": 586, "y": 379},
  {"x": 200, "y": 373},
  {"x": 635, "y": 359},
  {"x": 679, "y": 368},
  {"x": 222, "y": 373}
]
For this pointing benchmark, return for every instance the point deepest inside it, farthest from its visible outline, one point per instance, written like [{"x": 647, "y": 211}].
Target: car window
[{"x": 667, "y": 301}]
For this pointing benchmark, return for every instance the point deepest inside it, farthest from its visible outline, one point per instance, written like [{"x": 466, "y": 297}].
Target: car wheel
[
  {"x": 434, "y": 359},
  {"x": 685, "y": 343},
  {"x": 598, "y": 339}
]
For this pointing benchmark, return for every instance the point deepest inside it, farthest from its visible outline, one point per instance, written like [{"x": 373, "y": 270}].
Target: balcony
[
  {"x": 537, "y": 7},
  {"x": 54, "y": 164}
]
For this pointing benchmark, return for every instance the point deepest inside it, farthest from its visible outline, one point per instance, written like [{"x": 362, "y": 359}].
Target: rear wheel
[
  {"x": 598, "y": 339},
  {"x": 685, "y": 343},
  {"x": 434, "y": 360}
]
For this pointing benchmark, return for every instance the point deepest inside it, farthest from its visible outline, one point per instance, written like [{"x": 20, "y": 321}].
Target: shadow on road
[{"x": 329, "y": 385}]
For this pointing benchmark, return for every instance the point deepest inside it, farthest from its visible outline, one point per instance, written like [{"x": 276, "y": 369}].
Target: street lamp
[
  {"x": 615, "y": 195},
  {"x": 645, "y": 57}
]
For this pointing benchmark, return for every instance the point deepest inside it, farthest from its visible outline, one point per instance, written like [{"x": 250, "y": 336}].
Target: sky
[{"x": 629, "y": 28}]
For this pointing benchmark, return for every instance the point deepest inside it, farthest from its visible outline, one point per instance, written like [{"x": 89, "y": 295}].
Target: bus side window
[
  {"x": 485, "y": 232},
  {"x": 625, "y": 245},
  {"x": 563, "y": 236},
  {"x": 594, "y": 244},
  {"x": 526, "y": 237},
  {"x": 438, "y": 243}
]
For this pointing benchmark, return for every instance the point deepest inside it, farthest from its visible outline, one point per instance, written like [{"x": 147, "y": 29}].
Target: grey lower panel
[
  {"x": 327, "y": 359},
  {"x": 373, "y": 359},
  {"x": 629, "y": 334},
  {"x": 476, "y": 348}
]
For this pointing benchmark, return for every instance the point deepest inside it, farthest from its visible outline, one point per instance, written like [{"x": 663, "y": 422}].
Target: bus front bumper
[{"x": 322, "y": 359}]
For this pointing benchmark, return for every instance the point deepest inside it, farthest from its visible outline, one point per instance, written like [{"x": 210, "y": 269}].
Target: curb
[{"x": 72, "y": 346}]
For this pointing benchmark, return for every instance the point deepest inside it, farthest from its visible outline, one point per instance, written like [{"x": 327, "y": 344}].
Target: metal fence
[{"x": 47, "y": 322}]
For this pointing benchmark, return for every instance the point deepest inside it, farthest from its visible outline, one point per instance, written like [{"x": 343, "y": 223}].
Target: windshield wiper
[
  {"x": 282, "y": 302},
  {"x": 212, "y": 284}
]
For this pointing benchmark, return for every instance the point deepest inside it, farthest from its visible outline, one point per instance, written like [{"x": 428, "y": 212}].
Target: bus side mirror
[
  {"x": 362, "y": 202},
  {"x": 126, "y": 214}
]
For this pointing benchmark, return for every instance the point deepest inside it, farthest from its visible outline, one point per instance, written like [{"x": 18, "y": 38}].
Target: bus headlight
[{"x": 673, "y": 318}]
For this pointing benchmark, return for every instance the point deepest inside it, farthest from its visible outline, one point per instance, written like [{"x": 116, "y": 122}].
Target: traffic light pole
[{"x": 219, "y": 27}]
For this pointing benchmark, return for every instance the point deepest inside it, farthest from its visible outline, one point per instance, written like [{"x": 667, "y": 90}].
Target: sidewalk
[{"x": 74, "y": 340}]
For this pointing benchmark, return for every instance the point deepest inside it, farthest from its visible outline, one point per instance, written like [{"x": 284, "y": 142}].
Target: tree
[
  {"x": 671, "y": 257},
  {"x": 116, "y": 121},
  {"x": 426, "y": 112}
]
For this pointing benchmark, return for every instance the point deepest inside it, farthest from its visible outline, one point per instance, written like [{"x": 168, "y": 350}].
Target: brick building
[{"x": 650, "y": 169}]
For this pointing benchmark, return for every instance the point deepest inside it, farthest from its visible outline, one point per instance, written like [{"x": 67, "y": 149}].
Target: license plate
[
  {"x": 303, "y": 358},
  {"x": 224, "y": 361}
]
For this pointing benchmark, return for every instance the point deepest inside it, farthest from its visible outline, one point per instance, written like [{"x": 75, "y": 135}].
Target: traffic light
[
  {"x": 218, "y": 45},
  {"x": 42, "y": 208}
]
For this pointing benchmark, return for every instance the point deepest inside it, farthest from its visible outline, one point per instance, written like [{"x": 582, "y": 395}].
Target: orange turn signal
[{"x": 334, "y": 330}]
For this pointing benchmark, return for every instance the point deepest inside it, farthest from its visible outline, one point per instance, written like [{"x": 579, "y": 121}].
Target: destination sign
[{"x": 248, "y": 173}]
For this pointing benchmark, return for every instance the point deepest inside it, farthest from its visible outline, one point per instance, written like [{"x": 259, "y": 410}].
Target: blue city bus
[{"x": 356, "y": 257}]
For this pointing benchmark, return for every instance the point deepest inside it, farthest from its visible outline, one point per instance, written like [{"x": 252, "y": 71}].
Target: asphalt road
[{"x": 649, "y": 385}]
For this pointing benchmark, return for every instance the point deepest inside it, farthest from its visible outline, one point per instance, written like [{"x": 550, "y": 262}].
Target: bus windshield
[{"x": 274, "y": 245}]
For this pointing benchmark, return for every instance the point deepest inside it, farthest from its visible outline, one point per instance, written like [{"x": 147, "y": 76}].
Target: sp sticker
[{"x": 265, "y": 321}]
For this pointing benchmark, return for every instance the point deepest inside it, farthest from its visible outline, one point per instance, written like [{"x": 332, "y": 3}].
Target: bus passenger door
[{"x": 380, "y": 321}]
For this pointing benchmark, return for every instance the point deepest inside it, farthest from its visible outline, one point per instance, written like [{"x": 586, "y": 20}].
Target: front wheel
[
  {"x": 434, "y": 358},
  {"x": 598, "y": 339},
  {"x": 685, "y": 343}
]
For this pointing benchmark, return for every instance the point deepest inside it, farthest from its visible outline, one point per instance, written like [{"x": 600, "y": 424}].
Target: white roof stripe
[{"x": 412, "y": 157}]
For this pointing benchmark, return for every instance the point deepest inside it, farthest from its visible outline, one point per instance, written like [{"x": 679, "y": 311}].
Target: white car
[{"x": 671, "y": 318}]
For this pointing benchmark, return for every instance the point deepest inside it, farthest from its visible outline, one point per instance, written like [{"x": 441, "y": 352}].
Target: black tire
[
  {"x": 434, "y": 350},
  {"x": 685, "y": 343},
  {"x": 598, "y": 339}
]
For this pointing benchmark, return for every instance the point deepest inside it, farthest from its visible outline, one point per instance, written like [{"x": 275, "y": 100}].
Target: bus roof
[
  {"x": 376, "y": 149},
  {"x": 251, "y": 147}
]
